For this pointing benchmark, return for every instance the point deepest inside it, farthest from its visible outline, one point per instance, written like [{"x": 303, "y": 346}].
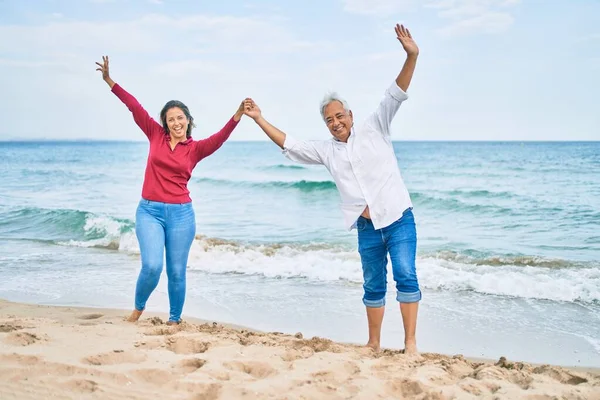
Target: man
[{"x": 374, "y": 198}]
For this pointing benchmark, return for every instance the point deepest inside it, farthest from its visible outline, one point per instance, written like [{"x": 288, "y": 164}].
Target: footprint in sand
[
  {"x": 323, "y": 375},
  {"x": 22, "y": 338},
  {"x": 210, "y": 392},
  {"x": 5, "y": 328},
  {"x": 258, "y": 370},
  {"x": 19, "y": 359},
  {"x": 302, "y": 353},
  {"x": 91, "y": 316},
  {"x": 155, "y": 376},
  {"x": 116, "y": 357},
  {"x": 189, "y": 366},
  {"x": 352, "y": 368},
  {"x": 560, "y": 375},
  {"x": 186, "y": 345},
  {"x": 36, "y": 366},
  {"x": 405, "y": 388},
  {"x": 81, "y": 386}
]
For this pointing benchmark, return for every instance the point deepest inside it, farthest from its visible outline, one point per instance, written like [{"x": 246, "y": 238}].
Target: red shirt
[{"x": 168, "y": 171}]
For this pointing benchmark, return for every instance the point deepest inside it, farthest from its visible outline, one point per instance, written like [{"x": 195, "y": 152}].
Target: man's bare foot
[
  {"x": 410, "y": 347},
  {"x": 375, "y": 346},
  {"x": 173, "y": 322},
  {"x": 135, "y": 315}
]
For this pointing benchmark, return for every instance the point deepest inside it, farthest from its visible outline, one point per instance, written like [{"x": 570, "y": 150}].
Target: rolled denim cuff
[
  {"x": 374, "y": 303},
  {"x": 413, "y": 297}
]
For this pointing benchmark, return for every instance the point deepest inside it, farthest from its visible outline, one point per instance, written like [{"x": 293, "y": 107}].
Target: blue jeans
[
  {"x": 160, "y": 227},
  {"x": 400, "y": 241}
]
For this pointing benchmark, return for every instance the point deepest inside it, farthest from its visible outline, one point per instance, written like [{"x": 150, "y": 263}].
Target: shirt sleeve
[
  {"x": 147, "y": 124},
  {"x": 304, "y": 152},
  {"x": 389, "y": 105},
  {"x": 205, "y": 147}
]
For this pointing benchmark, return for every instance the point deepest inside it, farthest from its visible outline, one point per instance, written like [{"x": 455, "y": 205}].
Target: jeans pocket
[{"x": 361, "y": 225}]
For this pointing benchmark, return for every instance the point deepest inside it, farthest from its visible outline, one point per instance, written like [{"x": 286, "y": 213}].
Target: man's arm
[
  {"x": 412, "y": 52},
  {"x": 300, "y": 151},
  {"x": 396, "y": 94},
  {"x": 276, "y": 135}
]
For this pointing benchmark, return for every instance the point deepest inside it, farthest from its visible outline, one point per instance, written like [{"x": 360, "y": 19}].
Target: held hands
[
  {"x": 240, "y": 111},
  {"x": 104, "y": 69},
  {"x": 251, "y": 109},
  {"x": 405, "y": 38}
]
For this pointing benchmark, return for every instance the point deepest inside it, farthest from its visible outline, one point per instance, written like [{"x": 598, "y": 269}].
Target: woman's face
[{"x": 177, "y": 123}]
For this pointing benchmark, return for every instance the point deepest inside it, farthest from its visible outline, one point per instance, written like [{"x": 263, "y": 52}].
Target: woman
[{"x": 165, "y": 217}]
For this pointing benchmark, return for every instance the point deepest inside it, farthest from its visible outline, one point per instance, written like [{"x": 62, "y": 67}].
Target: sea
[{"x": 508, "y": 242}]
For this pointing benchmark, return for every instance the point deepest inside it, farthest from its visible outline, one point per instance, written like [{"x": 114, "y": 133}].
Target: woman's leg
[
  {"x": 180, "y": 233},
  {"x": 149, "y": 229}
]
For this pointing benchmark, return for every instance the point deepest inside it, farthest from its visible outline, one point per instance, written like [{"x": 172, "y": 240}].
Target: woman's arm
[
  {"x": 205, "y": 147},
  {"x": 141, "y": 117}
]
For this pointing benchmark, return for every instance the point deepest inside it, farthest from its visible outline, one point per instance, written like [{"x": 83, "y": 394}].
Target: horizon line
[{"x": 88, "y": 140}]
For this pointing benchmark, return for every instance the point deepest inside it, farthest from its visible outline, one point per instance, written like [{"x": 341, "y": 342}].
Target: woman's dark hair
[{"x": 172, "y": 104}]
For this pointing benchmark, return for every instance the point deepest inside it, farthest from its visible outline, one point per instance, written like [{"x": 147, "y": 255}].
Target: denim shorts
[{"x": 399, "y": 241}]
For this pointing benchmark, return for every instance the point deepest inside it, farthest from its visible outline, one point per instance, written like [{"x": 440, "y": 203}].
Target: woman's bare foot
[
  {"x": 135, "y": 315},
  {"x": 374, "y": 345},
  {"x": 410, "y": 347}
]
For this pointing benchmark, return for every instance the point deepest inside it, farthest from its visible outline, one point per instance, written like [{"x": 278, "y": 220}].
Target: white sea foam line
[
  {"x": 577, "y": 284},
  {"x": 528, "y": 282},
  {"x": 104, "y": 226}
]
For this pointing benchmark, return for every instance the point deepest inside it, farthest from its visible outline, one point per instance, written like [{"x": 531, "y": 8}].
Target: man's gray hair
[{"x": 331, "y": 97}]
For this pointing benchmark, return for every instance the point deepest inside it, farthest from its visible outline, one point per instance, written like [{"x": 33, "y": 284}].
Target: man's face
[{"x": 338, "y": 120}]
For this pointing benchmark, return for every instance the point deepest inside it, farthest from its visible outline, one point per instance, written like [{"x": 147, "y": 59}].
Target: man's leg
[
  {"x": 375, "y": 320},
  {"x": 401, "y": 239},
  {"x": 373, "y": 256}
]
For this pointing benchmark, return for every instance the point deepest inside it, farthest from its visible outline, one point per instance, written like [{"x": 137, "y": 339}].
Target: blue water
[{"x": 508, "y": 253}]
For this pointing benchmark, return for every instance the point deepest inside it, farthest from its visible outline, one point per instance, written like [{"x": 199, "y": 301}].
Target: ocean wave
[
  {"x": 478, "y": 194},
  {"x": 563, "y": 284},
  {"x": 520, "y": 276},
  {"x": 477, "y": 258},
  {"x": 68, "y": 227},
  {"x": 302, "y": 185},
  {"x": 525, "y": 277},
  {"x": 447, "y": 202},
  {"x": 284, "y": 167}
]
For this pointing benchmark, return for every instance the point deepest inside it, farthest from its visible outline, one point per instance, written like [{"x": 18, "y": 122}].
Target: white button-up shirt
[{"x": 365, "y": 169}]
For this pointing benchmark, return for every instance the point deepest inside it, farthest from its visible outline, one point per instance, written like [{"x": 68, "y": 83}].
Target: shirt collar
[
  {"x": 185, "y": 142},
  {"x": 351, "y": 133}
]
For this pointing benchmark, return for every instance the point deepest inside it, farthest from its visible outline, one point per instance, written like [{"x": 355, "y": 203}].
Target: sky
[{"x": 487, "y": 69}]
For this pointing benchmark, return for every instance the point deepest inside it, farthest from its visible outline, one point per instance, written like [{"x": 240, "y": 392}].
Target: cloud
[
  {"x": 211, "y": 62},
  {"x": 151, "y": 34},
  {"x": 474, "y": 16},
  {"x": 463, "y": 16}
]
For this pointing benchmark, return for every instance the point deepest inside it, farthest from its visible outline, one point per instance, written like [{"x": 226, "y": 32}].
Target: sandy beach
[{"x": 71, "y": 352}]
